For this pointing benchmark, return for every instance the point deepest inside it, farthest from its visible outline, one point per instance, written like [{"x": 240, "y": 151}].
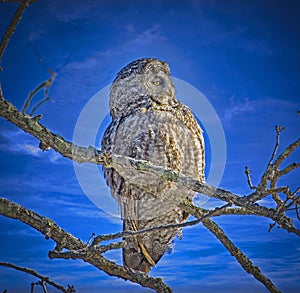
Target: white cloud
[
  {"x": 17, "y": 141},
  {"x": 30, "y": 149}
]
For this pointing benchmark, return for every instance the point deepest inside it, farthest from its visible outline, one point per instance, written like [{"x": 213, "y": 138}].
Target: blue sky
[{"x": 243, "y": 56}]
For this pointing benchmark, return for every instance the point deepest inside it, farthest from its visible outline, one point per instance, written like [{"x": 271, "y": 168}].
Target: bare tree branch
[
  {"x": 282, "y": 220},
  {"x": 12, "y": 26},
  {"x": 287, "y": 152},
  {"x": 39, "y": 276},
  {"x": 243, "y": 260},
  {"x": 288, "y": 169},
  {"x": 55, "y": 141},
  {"x": 126, "y": 234},
  {"x": 65, "y": 240}
]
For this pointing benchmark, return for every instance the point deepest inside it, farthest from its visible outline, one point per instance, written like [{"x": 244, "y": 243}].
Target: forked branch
[{"x": 126, "y": 164}]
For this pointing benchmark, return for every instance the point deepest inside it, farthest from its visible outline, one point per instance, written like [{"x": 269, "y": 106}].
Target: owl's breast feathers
[{"x": 168, "y": 136}]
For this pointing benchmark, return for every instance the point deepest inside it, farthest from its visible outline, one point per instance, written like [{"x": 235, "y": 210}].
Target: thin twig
[
  {"x": 295, "y": 200},
  {"x": 32, "y": 287},
  {"x": 43, "y": 284},
  {"x": 287, "y": 152},
  {"x": 90, "y": 239},
  {"x": 1, "y": 93},
  {"x": 12, "y": 27},
  {"x": 278, "y": 130},
  {"x": 248, "y": 172},
  {"x": 288, "y": 169},
  {"x": 37, "y": 105},
  {"x": 273, "y": 167},
  {"x": 126, "y": 234},
  {"x": 81, "y": 253},
  {"x": 271, "y": 226},
  {"x": 272, "y": 174},
  {"x": 39, "y": 276},
  {"x": 46, "y": 85}
]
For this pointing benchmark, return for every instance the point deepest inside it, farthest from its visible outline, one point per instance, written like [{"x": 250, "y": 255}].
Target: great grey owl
[{"x": 149, "y": 123}]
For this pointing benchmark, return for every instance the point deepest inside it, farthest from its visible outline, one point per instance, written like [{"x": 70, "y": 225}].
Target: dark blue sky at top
[{"x": 242, "y": 55}]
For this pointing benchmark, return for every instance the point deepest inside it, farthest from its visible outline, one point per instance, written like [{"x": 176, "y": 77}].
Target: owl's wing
[
  {"x": 140, "y": 207},
  {"x": 139, "y": 210},
  {"x": 144, "y": 250}
]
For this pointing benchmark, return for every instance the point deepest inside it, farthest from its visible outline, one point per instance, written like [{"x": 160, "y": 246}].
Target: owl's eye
[{"x": 157, "y": 81}]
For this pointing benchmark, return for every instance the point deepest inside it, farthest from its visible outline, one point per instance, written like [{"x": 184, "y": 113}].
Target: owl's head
[{"x": 140, "y": 84}]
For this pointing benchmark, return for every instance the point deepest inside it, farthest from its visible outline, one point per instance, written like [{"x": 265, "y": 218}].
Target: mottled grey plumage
[{"x": 149, "y": 123}]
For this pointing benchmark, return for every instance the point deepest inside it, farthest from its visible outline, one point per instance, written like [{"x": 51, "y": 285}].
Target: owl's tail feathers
[{"x": 135, "y": 255}]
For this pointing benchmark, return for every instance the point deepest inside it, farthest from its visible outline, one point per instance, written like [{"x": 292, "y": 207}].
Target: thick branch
[
  {"x": 39, "y": 276},
  {"x": 92, "y": 155},
  {"x": 65, "y": 240},
  {"x": 44, "y": 225}
]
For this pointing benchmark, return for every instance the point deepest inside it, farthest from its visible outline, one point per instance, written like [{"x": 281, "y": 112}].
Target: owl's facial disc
[{"x": 160, "y": 88}]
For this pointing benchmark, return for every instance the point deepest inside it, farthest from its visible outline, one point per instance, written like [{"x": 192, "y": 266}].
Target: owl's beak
[{"x": 171, "y": 92}]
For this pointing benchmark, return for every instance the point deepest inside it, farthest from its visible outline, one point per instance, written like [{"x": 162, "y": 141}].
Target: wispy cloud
[
  {"x": 74, "y": 12},
  {"x": 18, "y": 142},
  {"x": 37, "y": 35},
  {"x": 237, "y": 108},
  {"x": 150, "y": 35}
]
